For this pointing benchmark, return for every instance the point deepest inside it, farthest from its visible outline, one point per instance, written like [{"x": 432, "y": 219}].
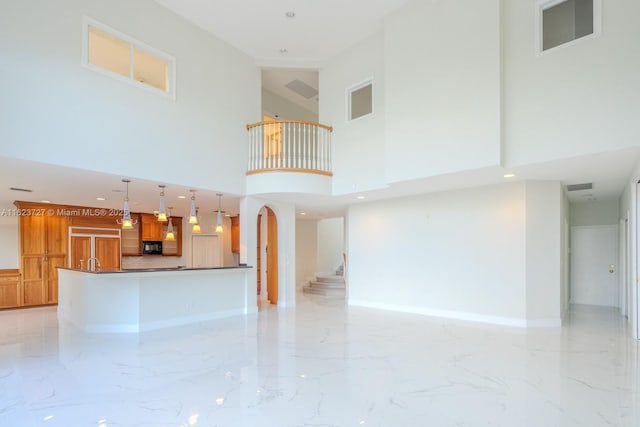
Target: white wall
[
  {"x": 577, "y": 99},
  {"x": 456, "y": 254},
  {"x": 274, "y": 104},
  {"x": 306, "y": 250},
  {"x": 606, "y": 212},
  {"x": 442, "y": 87},
  {"x": 330, "y": 244},
  {"x": 354, "y": 141},
  {"x": 544, "y": 238},
  {"x": 8, "y": 236},
  {"x": 491, "y": 254},
  {"x": 56, "y": 111}
]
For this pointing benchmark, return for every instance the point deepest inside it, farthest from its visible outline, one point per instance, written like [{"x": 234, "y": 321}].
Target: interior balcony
[{"x": 289, "y": 156}]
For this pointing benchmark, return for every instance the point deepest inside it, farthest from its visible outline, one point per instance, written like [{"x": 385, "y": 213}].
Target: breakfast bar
[{"x": 146, "y": 299}]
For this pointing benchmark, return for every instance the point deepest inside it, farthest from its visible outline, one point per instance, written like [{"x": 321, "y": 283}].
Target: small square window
[
  {"x": 564, "y": 21},
  {"x": 360, "y": 100}
]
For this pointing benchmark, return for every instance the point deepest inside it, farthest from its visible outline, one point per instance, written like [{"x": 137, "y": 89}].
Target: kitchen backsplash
[{"x": 152, "y": 261}]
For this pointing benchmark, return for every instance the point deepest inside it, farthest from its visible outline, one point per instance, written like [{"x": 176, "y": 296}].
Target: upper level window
[
  {"x": 115, "y": 54},
  {"x": 360, "y": 100},
  {"x": 563, "y": 21}
]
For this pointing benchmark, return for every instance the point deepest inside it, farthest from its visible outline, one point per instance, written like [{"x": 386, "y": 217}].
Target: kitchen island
[{"x": 141, "y": 300}]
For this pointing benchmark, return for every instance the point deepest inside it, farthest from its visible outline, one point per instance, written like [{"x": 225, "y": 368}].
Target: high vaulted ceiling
[{"x": 317, "y": 31}]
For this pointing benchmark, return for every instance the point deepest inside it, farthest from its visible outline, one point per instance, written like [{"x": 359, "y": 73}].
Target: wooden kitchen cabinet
[
  {"x": 235, "y": 234},
  {"x": 132, "y": 239},
  {"x": 151, "y": 227},
  {"x": 80, "y": 252},
  {"x": 95, "y": 249},
  {"x": 107, "y": 250},
  {"x": 172, "y": 247},
  {"x": 43, "y": 248},
  {"x": 9, "y": 288}
]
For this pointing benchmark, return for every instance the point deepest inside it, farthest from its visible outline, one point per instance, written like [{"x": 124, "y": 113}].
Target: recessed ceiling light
[
  {"x": 182, "y": 197},
  {"x": 360, "y": 197},
  {"x": 283, "y": 50},
  {"x": 303, "y": 213},
  {"x": 45, "y": 201},
  {"x": 290, "y": 14},
  {"x": 100, "y": 199},
  {"x": 509, "y": 175}
]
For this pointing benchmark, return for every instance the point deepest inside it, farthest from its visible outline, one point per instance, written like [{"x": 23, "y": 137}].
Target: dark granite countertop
[{"x": 152, "y": 270}]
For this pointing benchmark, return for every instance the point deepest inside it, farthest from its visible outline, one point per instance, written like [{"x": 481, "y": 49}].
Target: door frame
[
  {"x": 616, "y": 260},
  {"x": 268, "y": 238}
]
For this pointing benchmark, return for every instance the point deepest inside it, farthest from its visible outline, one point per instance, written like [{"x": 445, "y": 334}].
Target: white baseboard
[{"x": 471, "y": 317}]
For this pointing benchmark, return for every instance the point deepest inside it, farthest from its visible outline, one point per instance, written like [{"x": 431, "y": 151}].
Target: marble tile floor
[{"x": 320, "y": 364}]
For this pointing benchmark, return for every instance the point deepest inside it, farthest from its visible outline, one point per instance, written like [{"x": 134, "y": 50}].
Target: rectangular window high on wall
[
  {"x": 562, "y": 21},
  {"x": 360, "y": 100},
  {"x": 126, "y": 59}
]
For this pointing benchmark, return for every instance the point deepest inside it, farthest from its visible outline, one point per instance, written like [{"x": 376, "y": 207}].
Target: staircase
[{"x": 332, "y": 286}]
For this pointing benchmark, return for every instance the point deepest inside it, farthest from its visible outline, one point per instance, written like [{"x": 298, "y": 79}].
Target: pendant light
[
  {"x": 193, "y": 218},
  {"x": 170, "y": 236},
  {"x": 162, "y": 211},
  {"x": 219, "y": 222},
  {"x": 196, "y": 227},
  {"x": 126, "y": 222}
]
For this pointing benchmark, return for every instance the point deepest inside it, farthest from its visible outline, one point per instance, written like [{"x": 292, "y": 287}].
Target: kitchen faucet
[{"x": 95, "y": 266}]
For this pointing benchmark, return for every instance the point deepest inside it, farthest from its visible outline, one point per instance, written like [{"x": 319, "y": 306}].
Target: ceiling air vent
[
  {"x": 579, "y": 187},
  {"x": 302, "y": 89},
  {"x": 25, "y": 190}
]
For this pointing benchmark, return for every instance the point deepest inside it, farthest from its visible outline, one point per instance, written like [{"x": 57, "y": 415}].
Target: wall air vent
[
  {"x": 302, "y": 89},
  {"x": 579, "y": 187},
  {"x": 25, "y": 190}
]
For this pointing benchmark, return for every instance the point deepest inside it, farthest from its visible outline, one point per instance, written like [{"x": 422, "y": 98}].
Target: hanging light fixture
[
  {"x": 193, "y": 218},
  {"x": 162, "y": 211},
  {"x": 126, "y": 222},
  {"x": 170, "y": 233},
  {"x": 196, "y": 227},
  {"x": 219, "y": 222}
]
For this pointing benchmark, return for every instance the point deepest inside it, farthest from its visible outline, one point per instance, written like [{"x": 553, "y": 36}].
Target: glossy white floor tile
[{"x": 320, "y": 364}]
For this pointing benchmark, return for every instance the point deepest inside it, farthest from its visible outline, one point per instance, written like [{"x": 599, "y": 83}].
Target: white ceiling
[
  {"x": 62, "y": 185},
  {"x": 319, "y": 30}
]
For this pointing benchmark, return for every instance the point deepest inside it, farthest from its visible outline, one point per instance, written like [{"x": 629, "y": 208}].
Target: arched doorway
[{"x": 267, "y": 256}]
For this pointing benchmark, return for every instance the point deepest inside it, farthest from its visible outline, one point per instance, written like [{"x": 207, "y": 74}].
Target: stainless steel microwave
[{"x": 152, "y": 247}]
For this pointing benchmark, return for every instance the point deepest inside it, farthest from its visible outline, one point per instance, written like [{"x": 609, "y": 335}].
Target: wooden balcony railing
[{"x": 289, "y": 146}]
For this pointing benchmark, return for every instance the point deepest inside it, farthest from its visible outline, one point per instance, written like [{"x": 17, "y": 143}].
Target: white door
[
  {"x": 594, "y": 265},
  {"x": 204, "y": 251}
]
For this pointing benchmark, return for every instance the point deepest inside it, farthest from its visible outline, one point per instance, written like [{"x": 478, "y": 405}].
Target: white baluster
[
  {"x": 301, "y": 154},
  {"x": 260, "y": 143},
  {"x": 285, "y": 144},
  {"x": 251, "y": 158}
]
